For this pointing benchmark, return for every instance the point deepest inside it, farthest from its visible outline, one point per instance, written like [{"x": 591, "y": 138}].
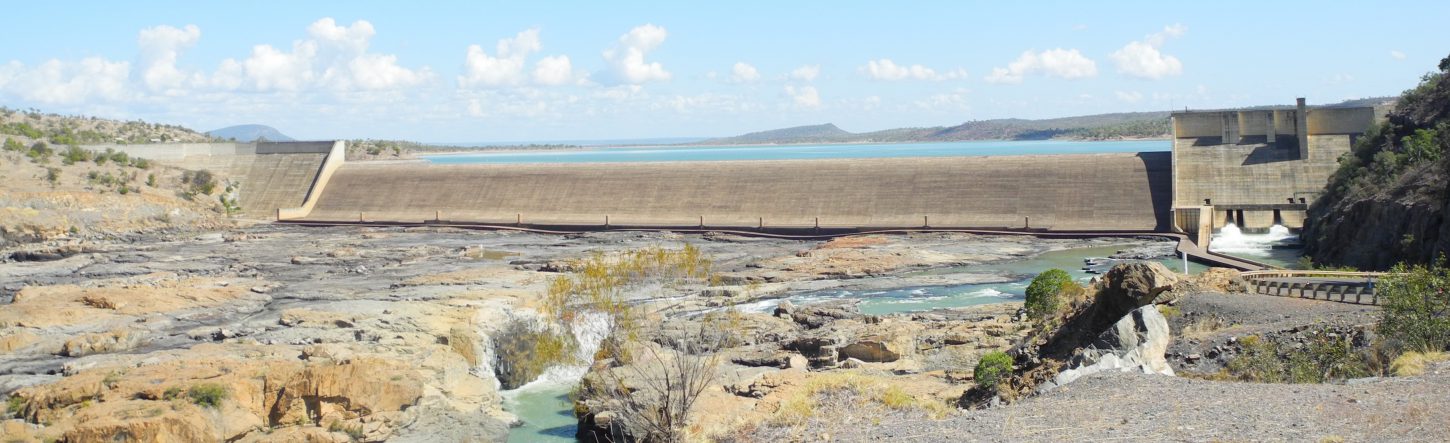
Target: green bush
[
  {"x": 15, "y": 405},
  {"x": 202, "y": 182},
  {"x": 1327, "y": 357},
  {"x": 1044, "y": 293},
  {"x": 1416, "y": 308},
  {"x": 74, "y": 154},
  {"x": 40, "y": 152},
  {"x": 992, "y": 370},
  {"x": 52, "y": 175},
  {"x": 14, "y": 145},
  {"x": 207, "y": 394}
]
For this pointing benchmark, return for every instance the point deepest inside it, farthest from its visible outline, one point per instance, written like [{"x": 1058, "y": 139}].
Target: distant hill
[
  {"x": 247, "y": 133},
  {"x": 1115, "y": 126},
  {"x": 1091, "y": 127},
  {"x": 799, "y": 134}
]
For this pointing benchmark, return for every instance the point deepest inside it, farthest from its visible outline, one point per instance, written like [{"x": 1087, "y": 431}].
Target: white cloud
[
  {"x": 334, "y": 57},
  {"x": 160, "y": 47},
  {"x": 271, "y": 69},
  {"x": 1130, "y": 96},
  {"x": 1143, "y": 59},
  {"x": 1397, "y": 55},
  {"x": 804, "y": 96},
  {"x": 743, "y": 73},
  {"x": 1061, "y": 63},
  {"x": 951, "y": 101},
  {"x": 627, "y": 57},
  {"x": 805, "y": 73},
  {"x": 885, "y": 69},
  {"x": 506, "y": 67},
  {"x": 57, "y": 82},
  {"x": 555, "y": 70}
]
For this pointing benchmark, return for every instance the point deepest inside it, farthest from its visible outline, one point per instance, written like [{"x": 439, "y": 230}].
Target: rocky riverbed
[{"x": 276, "y": 332}]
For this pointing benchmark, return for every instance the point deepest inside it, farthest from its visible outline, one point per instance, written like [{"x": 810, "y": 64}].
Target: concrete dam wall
[
  {"x": 269, "y": 175},
  {"x": 1058, "y": 192}
]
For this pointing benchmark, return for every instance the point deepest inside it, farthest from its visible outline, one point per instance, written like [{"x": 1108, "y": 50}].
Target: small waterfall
[
  {"x": 542, "y": 404},
  {"x": 1232, "y": 240},
  {"x": 589, "y": 332}
]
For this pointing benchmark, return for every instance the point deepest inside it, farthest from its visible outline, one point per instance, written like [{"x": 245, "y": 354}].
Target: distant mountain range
[
  {"x": 249, "y": 133},
  {"x": 1115, "y": 126}
]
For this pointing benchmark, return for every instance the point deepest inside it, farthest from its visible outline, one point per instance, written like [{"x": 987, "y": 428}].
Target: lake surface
[{"x": 807, "y": 151}]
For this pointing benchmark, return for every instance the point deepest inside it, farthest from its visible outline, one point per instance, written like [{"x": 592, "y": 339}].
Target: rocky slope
[
  {"x": 30, "y": 126},
  {"x": 278, "y": 333},
  {"x": 1389, "y": 200},
  {"x": 48, "y": 206}
]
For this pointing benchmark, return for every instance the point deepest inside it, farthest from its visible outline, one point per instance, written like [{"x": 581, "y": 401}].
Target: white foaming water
[
  {"x": 990, "y": 292},
  {"x": 1232, "y": 240}
]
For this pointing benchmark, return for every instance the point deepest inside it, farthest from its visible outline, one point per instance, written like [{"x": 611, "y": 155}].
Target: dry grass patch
[
  {"x": 1414, "y": 363},
  {"x": 868, "y": 390},
  {"x": 1205, "y": 326}
]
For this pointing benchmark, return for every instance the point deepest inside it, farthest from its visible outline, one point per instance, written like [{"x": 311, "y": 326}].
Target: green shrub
[
  {"x": 14, "y": 145},
  {"x": 202, "y": 182},
  {"x": 52, "y": 175},
  {"x": 1044, "y": 293},
  {"x": 1327, "y": 357},
  {"x": 15, "y": 405},
  {"x": 39, "y": 152},
  {"x": 151, "y": 180},
  {"x": 207, "y": 394},
  {"x": 992, "y": 370},
  {"x": 74, "y": 154},
  {"x": 1416, "y": 308}
]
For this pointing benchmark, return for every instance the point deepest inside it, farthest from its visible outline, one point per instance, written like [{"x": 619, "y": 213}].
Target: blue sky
[{"x": 597, "y": 70}]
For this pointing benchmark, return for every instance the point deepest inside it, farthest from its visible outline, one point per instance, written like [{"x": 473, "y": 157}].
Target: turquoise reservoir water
[
  {"x": 925, "y": 298},
  {"x": 798, "y": 152}
]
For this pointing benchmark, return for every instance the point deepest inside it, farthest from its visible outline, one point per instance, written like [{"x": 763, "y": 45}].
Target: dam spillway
[{"x": 1123, "y": 192}]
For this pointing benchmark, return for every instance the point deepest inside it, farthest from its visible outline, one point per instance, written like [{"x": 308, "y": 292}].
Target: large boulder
[
  {"x": 1136, "y": 343},
  {"x": 1130, "y": 285}
]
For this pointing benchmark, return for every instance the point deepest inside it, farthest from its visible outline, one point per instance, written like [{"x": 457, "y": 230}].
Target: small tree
[
  {"x": 1044, "y": 293},
  {"x": 662, "y": 387},
  {"x": 74, "y": 154},
  {"x": 1416, "y": 312},
  {"x": 992, "y": 370}
]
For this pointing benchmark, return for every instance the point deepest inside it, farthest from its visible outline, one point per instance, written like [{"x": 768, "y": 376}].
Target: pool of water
[
  {"x": 804, "y": 151},
  {"x": 546, "y": 410}
]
